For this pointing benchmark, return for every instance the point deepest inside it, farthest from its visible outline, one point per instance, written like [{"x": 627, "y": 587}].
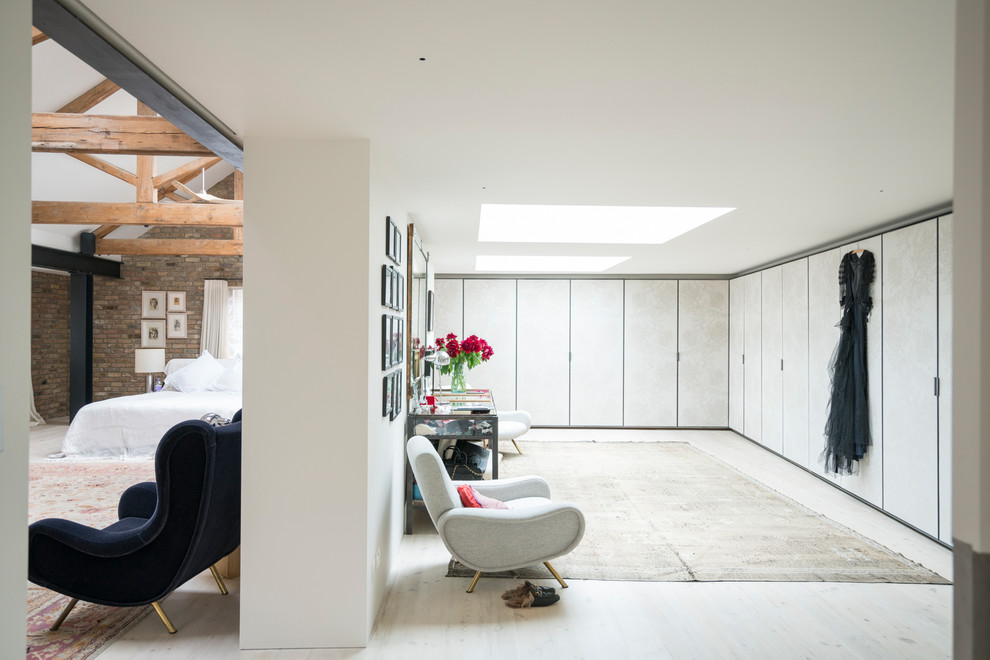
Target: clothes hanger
[{"x": 858, "y": 250}]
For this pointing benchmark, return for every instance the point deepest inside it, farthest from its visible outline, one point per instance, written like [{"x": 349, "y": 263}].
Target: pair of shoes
[{"x": 528, "y": 594}]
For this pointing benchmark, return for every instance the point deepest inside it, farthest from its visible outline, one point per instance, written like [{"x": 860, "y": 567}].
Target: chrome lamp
[{"x": 149, "y": 361}]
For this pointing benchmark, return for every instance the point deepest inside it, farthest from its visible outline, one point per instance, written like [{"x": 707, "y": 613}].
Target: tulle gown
[{"x": 847, "y": 430}]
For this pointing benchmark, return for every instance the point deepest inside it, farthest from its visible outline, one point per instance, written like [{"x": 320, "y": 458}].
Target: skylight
[
  {"x": 536, "y": 223},
  {"x": 555, "y": 264}
]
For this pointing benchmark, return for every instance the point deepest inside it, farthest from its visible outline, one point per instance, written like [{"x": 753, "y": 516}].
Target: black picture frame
[
  {"x": 389, "y": 236},
  {"x": 396, "y": 387},
  {"x": 400, "y": 299},
  {"x": 397, "y": 245},
  {"x": 394, "y": 343},
  {"x": 400, "y": 327},
  {"x": 386, "y": 341},
  {"x": 395, "y": 288},
  {"x": 387, "y": 396},
  {"x": 386, "y": 287}
]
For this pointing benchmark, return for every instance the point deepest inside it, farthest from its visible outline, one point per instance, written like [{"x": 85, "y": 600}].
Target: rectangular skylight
[
  {"x": 555, "y": 264},
  {"x": 538, "y": 223}
]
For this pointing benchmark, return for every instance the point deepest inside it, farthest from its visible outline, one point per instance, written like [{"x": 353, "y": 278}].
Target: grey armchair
[{"x": 532, "y": 530}]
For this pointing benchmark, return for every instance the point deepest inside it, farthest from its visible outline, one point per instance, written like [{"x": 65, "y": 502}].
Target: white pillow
[
  {"x": 198, "y": 376},
  {"x": 230, "y": 379}
]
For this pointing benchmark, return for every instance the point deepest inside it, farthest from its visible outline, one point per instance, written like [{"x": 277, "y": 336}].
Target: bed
[{"x": 130, "y": 427}]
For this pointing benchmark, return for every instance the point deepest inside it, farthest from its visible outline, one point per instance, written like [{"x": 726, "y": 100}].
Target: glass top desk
[{"x": 472, "y": 416}]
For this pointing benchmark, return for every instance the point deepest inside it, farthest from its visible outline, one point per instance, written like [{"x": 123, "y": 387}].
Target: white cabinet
[
  {"x": 945, "y": 379},
  {"x": 491, "y": 314},
  {"x": 753, "y": 361},
  {"x": 794, "y": 353},
  {"x": 702, "y": 346},
  {"x": 543, "y": 369},
  {"x": 737, "y": 316},
  {"x": 772, "y": 424},
  {"x": 596, "y": 353},
  {"x": 650, "y": 353},
  {"x": 910, "y": 366},
  {"x": 448, "y": 307}
]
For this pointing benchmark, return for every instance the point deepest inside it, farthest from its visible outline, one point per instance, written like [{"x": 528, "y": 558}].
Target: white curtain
[
  {"x": 36, "y": 418},
  {"x": 214, "y": 335}
]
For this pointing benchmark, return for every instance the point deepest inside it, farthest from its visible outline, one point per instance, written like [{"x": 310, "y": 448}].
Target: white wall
[
  {"x": 312, "y": 342},
  {"x": 15, "y": 328}
]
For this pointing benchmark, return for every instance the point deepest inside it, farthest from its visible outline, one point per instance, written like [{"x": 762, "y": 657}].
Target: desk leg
[{"x": 495, "y": 455}]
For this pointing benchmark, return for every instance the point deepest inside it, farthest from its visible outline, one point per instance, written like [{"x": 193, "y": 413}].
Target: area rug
[
  {"x": 86, "y": 493},
  {"x": 668, "y": 512}
]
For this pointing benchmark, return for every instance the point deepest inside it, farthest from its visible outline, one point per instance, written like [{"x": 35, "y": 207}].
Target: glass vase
[{"x": 457, "y": 378}]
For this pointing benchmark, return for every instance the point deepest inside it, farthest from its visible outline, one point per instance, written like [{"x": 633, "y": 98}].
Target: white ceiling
[{"x": 817, "y": 120}]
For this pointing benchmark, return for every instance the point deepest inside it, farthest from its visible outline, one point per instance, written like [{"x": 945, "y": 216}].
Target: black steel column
[{"x": 80, "y": 341}]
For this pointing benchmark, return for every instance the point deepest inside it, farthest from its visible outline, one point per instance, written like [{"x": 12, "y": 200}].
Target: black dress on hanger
[{"x": 847, "y": 430}]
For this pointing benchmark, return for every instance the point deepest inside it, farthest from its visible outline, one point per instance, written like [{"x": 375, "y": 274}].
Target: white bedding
[{"x": 132, "y": 426}]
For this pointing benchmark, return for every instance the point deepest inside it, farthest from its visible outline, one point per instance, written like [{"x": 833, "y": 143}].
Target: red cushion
[{"x": 467, "y": 496}]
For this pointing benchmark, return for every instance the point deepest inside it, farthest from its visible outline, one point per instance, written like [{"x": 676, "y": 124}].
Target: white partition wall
[
  {"x": 702, "y": 344},
  {"x": 448, "y": 308},
  {"x": 650, "y": 353},
  {"x": 596, "y": 352},
  {"x": 737, "y": 383},
  {"x": 752, "y": 365},
  {"x": 794, "y": 353},
  {"x": 543, "y": 372},
  {"x": 772, "y": 426},
  {"x": 945, "y": 379},
  {"x": 910, "y": 359},
  {"x": 493, "y": 319}
]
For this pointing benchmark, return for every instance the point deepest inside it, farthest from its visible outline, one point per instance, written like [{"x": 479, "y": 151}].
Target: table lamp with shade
[{"x": 149, "y": 361}]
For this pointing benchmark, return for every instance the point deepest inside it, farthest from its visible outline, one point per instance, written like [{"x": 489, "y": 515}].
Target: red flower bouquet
[{"x": 470, "y": 353}]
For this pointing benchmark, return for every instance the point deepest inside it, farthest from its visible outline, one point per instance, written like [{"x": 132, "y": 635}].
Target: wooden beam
[
  {"x": 146, "y": 192},
  {"x": 170, "y": 246},
  {"x": 55, "y": 132},
  {"x": 37, "y": 36},
  {"x": 115, "y": 213},
  {"x": 238, "y": 194},
  {"x": 104, "y": 231},
  {"x": 91, "y": 97},
  {"x": 104, "y": 166},
  {"x": 185, "y": 173},
  {"x": 80, "y": 34}
]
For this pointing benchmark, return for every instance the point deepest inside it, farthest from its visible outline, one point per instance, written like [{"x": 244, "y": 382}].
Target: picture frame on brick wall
[
  {"x": 176, "y": 301},
  {"x": 153, "y": 333},
  {"x": 153, "y": 304},
  {"x": 177, "y": 326}
]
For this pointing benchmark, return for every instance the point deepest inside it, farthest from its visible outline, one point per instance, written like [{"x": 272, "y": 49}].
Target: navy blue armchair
[{"x": 168, "y": 531}]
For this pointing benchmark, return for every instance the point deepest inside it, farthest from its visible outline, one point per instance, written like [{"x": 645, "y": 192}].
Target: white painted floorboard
[{"x": 428, "y": 616}]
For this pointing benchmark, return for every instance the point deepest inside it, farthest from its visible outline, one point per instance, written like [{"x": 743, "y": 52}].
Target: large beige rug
[
  {"x": 669, "y": 512},
  {"x": 87, "y": 493}
]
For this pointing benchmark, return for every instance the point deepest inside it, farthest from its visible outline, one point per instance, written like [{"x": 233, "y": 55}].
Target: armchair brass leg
[
  {"x": 216, "y": 576},
  {"x": 477, "y": 576},
  {"x": 164, "y": 618},
  {"x": 65, "y": 613},
  {"x": 563, "y": 585},
  {"x": 515, "y": 445}
]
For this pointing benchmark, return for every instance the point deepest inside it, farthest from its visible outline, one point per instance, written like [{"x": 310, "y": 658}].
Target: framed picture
[
  {"x": 153, "y": 333},
  {"x": 389, "y": 236},
  {"x": 386, "y": 286},
  {"x": 396, "y": 377},
  {"x": 176, "y": 325},
  {"x": 153, "y": 304},
  {"x": 400, "y": 334},
  {"x": 394, "y": 343},
  {"x": 401, "y": 291},
  {"x": 387, "y": 396},
  {"x": 386, "y": 341},
  {"x": 176, "y": 301},
  {"x": 396, "y": 245}
]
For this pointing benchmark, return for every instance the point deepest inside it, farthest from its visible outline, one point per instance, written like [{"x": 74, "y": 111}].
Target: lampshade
[{"x": 149, "y": 360}]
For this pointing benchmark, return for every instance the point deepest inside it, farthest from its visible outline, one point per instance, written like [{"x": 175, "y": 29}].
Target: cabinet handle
[
  {"x": 937, "y": 393},
  {"x": 744, "y": 358},
  {"x": 781, "y": 364}
]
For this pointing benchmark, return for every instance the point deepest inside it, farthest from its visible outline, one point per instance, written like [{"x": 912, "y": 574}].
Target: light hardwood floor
[{"x": 426, "y": 615}]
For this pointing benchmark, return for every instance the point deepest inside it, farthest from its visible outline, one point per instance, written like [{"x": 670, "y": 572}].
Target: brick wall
[{"x": 50, "y": 343}]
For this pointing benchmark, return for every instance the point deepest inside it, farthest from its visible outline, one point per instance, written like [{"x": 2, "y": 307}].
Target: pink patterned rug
[{"x": 86, "y": 492}]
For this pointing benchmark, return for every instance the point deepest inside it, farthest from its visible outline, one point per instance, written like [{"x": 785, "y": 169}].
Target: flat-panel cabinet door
[
  {"x": 543, "y": 372},
  {"x": 794, "y": 345},
  {"x": 596, "y": 354},
  {"x": 772, "y": 428},
  {"x": 753, "y": 365},
  {"x": 703, "y": 368},
  {"x": 823, "y": 333},
  {"x": 945, "y": 379},
  {"x": 448, "y": 307},
  {"x": 490, "y": 313},
  {"x": 650, "y": 353},
  {"x": 737, "y": 384},
  {"x": 910, "y": 365}
]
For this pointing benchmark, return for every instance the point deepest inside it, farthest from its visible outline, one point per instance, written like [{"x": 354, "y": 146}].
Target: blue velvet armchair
[{"x": 168, "y": 531}]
